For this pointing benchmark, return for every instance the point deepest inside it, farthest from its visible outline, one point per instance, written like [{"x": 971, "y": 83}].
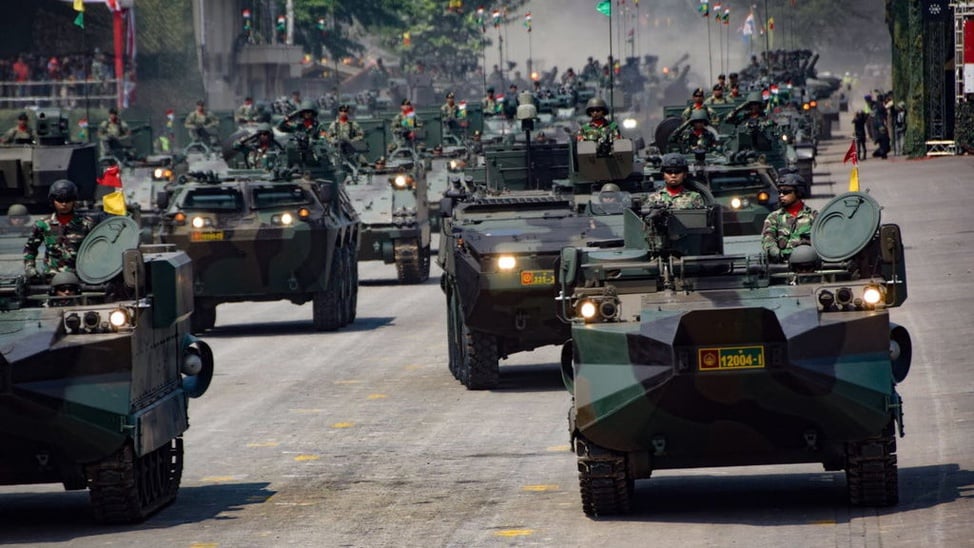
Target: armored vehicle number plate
[
  {"x": 731, "y": 357},
  {"x": 538, "y": 277},
  {"x": 206, "y": 236}
]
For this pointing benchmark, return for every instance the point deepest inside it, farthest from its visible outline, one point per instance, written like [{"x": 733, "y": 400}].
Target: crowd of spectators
[{"x": 31, "y": 79}]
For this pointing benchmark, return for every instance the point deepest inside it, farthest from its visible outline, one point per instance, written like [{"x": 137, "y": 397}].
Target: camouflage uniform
[
  {"x": 688, "y": 139},
  {"x": 685, "y": 199},
  {"x": 711, "y": 113},
  {"x": 783, "y": 231},
  {"x": 449, "y": 117},
  {"x": 340, "y": 131},
  {"x": 246, "y": 114},
  {"x": 15, "y": 134},
  {"x": 491, "y": 106},
  {"x": 109, "y": 134},
  {"x": 196, "y": 122},
  {"x": 403, "y": 125},
  {"x": 590, "y": 132},
  {"x": 61, "y": 243}
]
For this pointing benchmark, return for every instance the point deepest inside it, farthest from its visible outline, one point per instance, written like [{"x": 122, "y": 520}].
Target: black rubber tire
[
  {"x": 454, "y": 332},
  {"x": 412, "y": 262},
  {"x": 352, "y": 265},
  {"x": 328, "y": 306},
  {"x": 480, "y": 369}
]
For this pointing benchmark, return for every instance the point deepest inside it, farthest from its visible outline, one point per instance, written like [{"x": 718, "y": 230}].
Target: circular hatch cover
[
  {"x": 100, "y": 254},
  {"x": 845, "y": 225}
]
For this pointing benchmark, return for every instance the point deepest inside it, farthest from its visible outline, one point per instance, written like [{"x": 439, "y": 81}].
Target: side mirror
[{"x": 133, "y": 269}]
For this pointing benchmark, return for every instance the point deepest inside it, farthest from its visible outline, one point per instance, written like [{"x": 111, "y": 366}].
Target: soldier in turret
[
  {"x": 752, "y": 109},
  {"x": 698, "y": 104},
  {"x": 791, "y": 224},
  {"x": 697, "y": 133},
  {"x": 674, "y": 195},
  {"x": 201, "y": 124},
  {"x": 21, "y": 133},
  {"x": 111, "y": 134},
  {"x": 61, "y": 234},
  {"x": 598, "y": 128},
  {"x": 449, "y": 115},
  {"x": 404, "y": 123},
  {"x": 246, "y": 113}
]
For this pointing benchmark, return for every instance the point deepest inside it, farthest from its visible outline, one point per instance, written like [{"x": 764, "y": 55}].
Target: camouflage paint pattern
[{"x": 703, "y": 360}]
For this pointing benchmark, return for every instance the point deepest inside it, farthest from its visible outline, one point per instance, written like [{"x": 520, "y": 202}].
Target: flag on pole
[
  {"x": 527, "y": 21},
  {"x": 79, "y": 6},
  {"x": 704, "y": 8},
  {"x": 113, "y": 5},
  {"x": 604, "y": 7},
  {"x": 852, "y": 155}
]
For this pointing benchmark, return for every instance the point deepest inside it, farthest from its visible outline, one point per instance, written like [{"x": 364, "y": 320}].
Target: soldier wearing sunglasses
[{"x": 791, "y": 224}]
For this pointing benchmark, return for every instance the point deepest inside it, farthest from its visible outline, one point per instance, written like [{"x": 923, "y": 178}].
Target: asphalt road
[{"x": 362, "y": 438}]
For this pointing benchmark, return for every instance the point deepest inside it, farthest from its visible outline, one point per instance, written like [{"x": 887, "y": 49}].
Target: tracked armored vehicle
[
  {"x": 685, "y": 356},
  {"x": 394, "y": 210},
  {"x": 95, "y": 379},
  {"x": 266, "y": 236},
  {"x": 500, "y": 242},
  {"x": 28, "y": 169}
]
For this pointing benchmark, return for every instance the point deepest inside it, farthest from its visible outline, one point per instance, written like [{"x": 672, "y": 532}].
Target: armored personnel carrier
[
  {"x": 394, "y": 210},
  {"x": 98, "y": 369},
  {"x": 266, "y": 236},
  {"x": 28, "y": 169},
  {"x": 500, "y": 241},
  {"x": 684, "y": 356}
]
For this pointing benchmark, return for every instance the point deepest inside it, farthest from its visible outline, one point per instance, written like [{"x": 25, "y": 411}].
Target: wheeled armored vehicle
[
  {"x": 683, "y": 355},
  {"x": 266, "y": 236}
]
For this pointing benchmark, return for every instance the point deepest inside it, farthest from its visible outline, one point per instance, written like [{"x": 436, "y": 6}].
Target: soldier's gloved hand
[{"x": 774, "y": 254}]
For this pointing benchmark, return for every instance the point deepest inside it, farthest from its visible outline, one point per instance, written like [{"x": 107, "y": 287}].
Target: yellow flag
[
  {"x": 114, "y": 203},
  {"x": 854, "y": 180},
  {"x": 79, "y": 5}
]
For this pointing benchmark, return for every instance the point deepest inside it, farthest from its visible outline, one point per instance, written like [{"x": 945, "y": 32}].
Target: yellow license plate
[
  {"x": 537, "y": 277},
  {"x": 730, "y": 357},
  {"x": 206, "y": 236}
]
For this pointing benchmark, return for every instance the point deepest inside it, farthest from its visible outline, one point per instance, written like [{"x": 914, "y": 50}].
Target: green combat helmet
[{"x": 595, "y": 103}]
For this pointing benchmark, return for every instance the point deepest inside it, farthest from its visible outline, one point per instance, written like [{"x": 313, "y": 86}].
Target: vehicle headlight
[
  {"x": 872, "y": 295},
  {"x": 630, "y": 123},
  {"x": 587, "y": 309},
  {"x": 506, "y": 262},
  {"x": 120, "y": 318},
  {"x": 736, "y": 202},
  {"x": 401, "y": 181},
  {"x": 201, "y": 222},
  {"x": 286, "y": 218},
  {"x": 162, "y": 174}
]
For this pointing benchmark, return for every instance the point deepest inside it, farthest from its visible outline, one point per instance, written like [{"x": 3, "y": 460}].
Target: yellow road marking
[
  {"x": 540, "y": 488},
  {"x": 350, "y": 381},
  {"x": 263, "y": 444},
  {"x": 218, "y": 479},
  {"x": 565, "y": 447},
  {"x": 203, "y": 545},
  {"x": 514, "y": 532},
  {"x": 414, "y": 367},
  {"x": 377, "y": 396},
  {"x": 305, "y": 458},
  {"x": 343, "y": 425}
]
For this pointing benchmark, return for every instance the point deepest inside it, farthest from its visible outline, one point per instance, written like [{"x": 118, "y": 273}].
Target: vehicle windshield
[
  {"x": 14, "y": 232},
  {"x": 724, "y": 183},
  {"x": 280, "y": 196},
  {"x": 213, "y": 199}
]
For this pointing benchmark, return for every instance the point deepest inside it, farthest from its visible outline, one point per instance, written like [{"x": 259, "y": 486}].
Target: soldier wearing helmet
[
  {"x": 258, "y": 145},
  {"x": 246, "y": 112},
  {"x": 450, "y": 114},
  {"x": 17, "y": 215},
  {"x": 343, "y": 129},
  {"x": 598, "y": 128},
  {"x": 698, "y": 104},
  {"x": 752, "y": 109},
  {"x": 61, "y": 234},
  {"x": 21, "y": 133},
  {"x": 201, "y": 124},
  {"x": 304, "y": 119},
  {"x": 674, "y": 194},
  {"x": 791, "y": 224},
  {"x": 697, "y": 133},
  {"x": 490, "y": 103},
  {"x": 112, "y": 134},
  {"x": 64, "y": 287},
  {"x": 404, "y": 123}
]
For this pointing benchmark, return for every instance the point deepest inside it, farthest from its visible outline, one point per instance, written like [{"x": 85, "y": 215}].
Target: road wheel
[
  {"x": 872, "y": 476},
  {"x": 480, "y": 369},
  {"x": 127, "y": 489},
  {"x": 603, "y": 479},
  {"x": 412, "y": 262},
  {"x": 351, "y": 265},
  {"x": 203, "y": 318}
]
